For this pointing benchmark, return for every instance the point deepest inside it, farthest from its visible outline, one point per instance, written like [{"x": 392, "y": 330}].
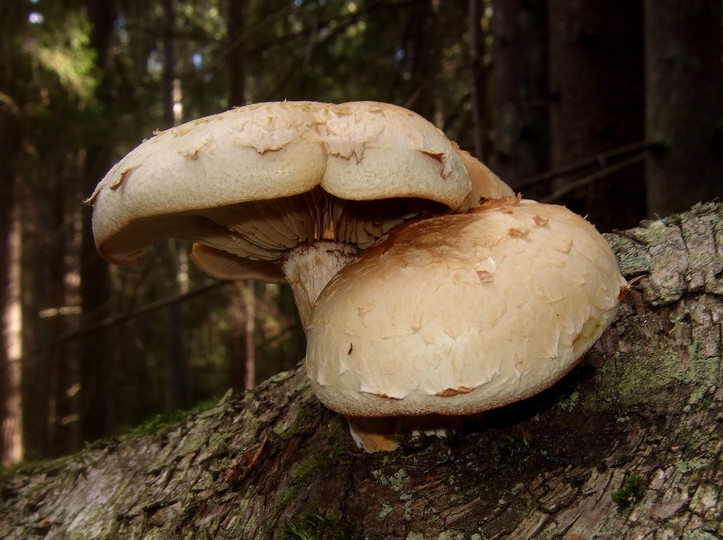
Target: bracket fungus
[
  {"x": 284, "y": 191},
  {"x": 458, "y": 314}
]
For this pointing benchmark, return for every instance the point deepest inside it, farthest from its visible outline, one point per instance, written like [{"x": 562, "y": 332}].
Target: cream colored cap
[
  {"x": 211, "y": 180},
  {"x": 485, "y": 183},
  {"x": 462, "y": 313}
]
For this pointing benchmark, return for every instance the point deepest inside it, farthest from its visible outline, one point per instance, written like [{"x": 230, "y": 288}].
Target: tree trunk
[
  {"x": 249, "y": 329},
  {"x": 596, "y": 83},
  {"x": 236, "y": 29},
  {"x": 684, "y": 118},
  {"x": 11, "y": 434},
  {"x": 176, "y": 368},
  {"x": 476, "y": 82},
  {"x": 518, "y": 92},
  {"x": 242, "y": 319},
  {"x": 95, "y": 286},
  {"x": 627, "y": 446},
  {"x": 242, "y": 307},
  {"x": 421, "y": 41},
  {"x": 63, "y": 432}
]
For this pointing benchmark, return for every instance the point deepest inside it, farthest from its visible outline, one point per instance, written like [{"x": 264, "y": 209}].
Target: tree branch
[
  {"x": 599, "y": 159},
  {"x": 121, "y": 318},
  {"x": 626, "y": 446}
]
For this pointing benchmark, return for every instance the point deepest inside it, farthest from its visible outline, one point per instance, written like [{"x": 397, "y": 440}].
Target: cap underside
[{"x": 263, "y": 163}]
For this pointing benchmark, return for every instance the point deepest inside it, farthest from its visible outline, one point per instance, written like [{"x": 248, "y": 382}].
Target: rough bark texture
[{"x": 627, "y": 446}]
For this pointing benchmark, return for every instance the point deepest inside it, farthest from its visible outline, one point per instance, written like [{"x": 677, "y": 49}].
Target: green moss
[
  {"x": 385, "y": 511},
  {"x": 631, "y": 492},
  {"x": 317, "y": 527},
  {"x": 699, "y": 535},
  {"x": 338, "y": 437},
  {"x": 249, "y": 419},
  {"x": 398, "y": 479},
  {"x": 692, "y": 465},
  {"x": 629, "y": 381},
  {"x": 312, "y": 467},
  {"x": 632, "y": 260},
  {"x": 531, "y": 508},
  {"x": 512, "y": 445},
  {"x": 571, "y": 402},
  {"x": 165, "y": 421},
  {"x": 150, "y": 427},
  {"x": 397, "y": 482},
  {"x": 286, "y": 432},
  {"x": 32, "y": 467},
  {"x": 305, "y": 473},
  {"x": 245, "y": 526},
  {"x": 703, "y": 405}
]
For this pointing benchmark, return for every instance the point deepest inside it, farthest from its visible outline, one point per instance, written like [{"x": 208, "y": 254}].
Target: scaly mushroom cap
[
  {"x": 462, "y": 313},
  {"x": 250, "y": 183}
]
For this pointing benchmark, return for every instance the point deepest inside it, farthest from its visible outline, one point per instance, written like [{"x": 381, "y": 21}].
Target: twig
[
  {"x": 473, "y": 22},
  {"x": 582, "y": 182},
  {"x": 599, "y": 159},
  {"x": 117, "y": 319}
]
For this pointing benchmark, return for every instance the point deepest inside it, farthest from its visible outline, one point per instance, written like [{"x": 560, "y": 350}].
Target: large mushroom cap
[
  {"x": 462, "y": 313},
  {"x": 252, "y": 182}
]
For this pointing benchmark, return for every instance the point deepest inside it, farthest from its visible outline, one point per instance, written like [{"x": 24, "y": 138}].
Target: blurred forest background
[{"x": 611, "y": 107}]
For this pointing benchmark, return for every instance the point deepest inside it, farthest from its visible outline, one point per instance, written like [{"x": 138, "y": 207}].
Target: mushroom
[
  {"x": 284, "y": 191},
  {"x": 458, "y": 314}
]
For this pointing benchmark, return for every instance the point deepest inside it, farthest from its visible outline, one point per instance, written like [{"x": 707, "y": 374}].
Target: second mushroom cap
[{"x": 462, "y": 313}]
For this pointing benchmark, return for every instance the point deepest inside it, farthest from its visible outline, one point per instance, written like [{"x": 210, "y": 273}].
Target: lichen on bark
[{"x": 627, "y": 446}]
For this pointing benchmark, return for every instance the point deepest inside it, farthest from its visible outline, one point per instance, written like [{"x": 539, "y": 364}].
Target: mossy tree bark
[{"x": 627, "y": 446}]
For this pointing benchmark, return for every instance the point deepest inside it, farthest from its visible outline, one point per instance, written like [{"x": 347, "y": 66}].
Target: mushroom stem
[
  {"x": 383, "y": 433},
  {"x": 309, "y": 267},
  {"x": 374, "y": 434}
]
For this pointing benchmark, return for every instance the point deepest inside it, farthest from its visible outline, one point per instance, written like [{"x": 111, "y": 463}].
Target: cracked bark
[{"x": 627, "y": 446}]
